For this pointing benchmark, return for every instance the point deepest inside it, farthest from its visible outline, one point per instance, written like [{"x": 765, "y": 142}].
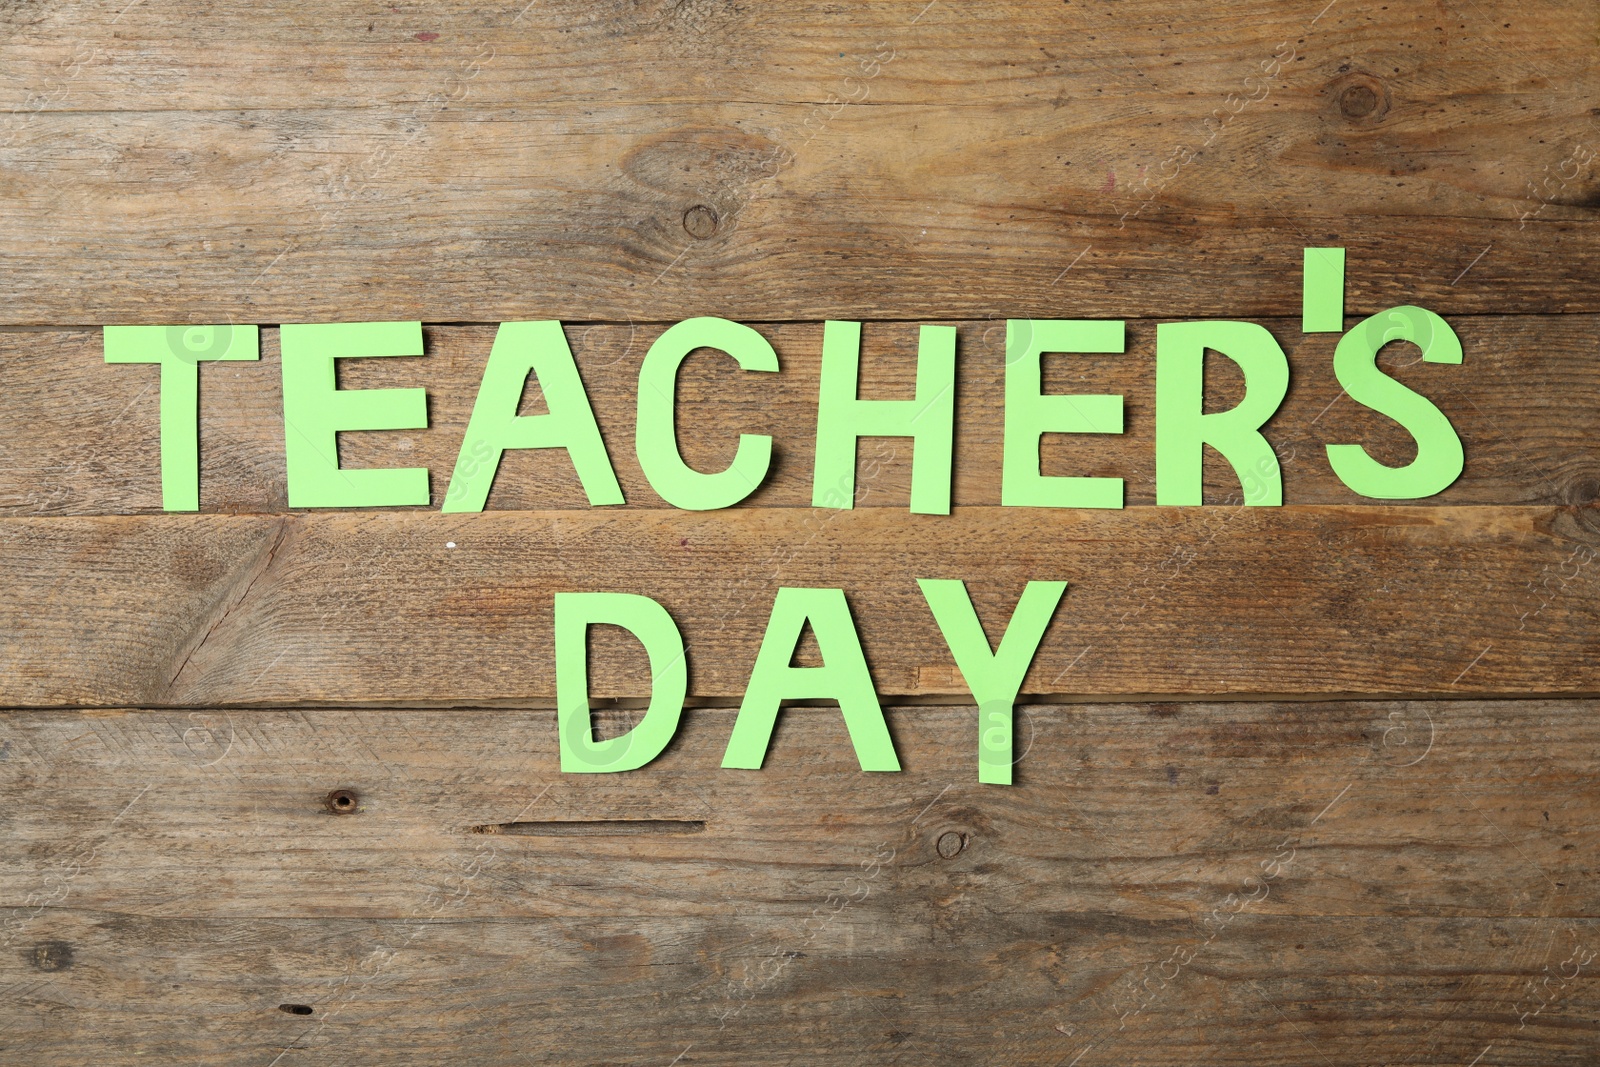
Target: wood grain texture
[
  {"x": 472, "y": 162},
  {"x": 1241, "y": 883},
  {"x": 1267, "y": 866},
  {"x": 84, "y": 437},
  {"x": 359, "y": 608}
]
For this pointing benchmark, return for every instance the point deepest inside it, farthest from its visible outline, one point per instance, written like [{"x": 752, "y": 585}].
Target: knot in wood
[
  {"x": 1361, "y": 98},
  {"x": 700, "y": 222}
]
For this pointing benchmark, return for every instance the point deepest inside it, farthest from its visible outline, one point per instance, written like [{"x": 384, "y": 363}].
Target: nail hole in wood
[
  {"x": 295, "y": 1009},
  {"x": 343, "y": 802}
]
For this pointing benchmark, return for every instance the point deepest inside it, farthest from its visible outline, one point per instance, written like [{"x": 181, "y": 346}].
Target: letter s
[{"x": 1439, "y": 455}]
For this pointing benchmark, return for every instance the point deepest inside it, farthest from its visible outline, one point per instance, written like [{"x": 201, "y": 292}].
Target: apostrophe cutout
[{"x": 1322, "y": 299}]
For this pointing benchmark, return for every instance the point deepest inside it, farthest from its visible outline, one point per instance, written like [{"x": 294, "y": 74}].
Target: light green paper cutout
[
  {"x": 1181, "y": 429},
  {"x": 1440, "y": 458},
  {"x": 316, "y": 411},
  {"x": 843, "y": 677},
  {"x": 539, "y": 348},
  {"x": 1322, "y": 296},
  {"x": 655, "y": 431},
  {"x": 993, "y": 677},
  {"x": 1030, "y": 414},
  {"x": 928, "y": 419},
  {"x": 669, "y": 681},
  {"x": 180, "y": 350}
]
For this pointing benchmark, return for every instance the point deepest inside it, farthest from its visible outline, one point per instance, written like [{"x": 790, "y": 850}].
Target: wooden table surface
[{"x": 1300, "y": 785}]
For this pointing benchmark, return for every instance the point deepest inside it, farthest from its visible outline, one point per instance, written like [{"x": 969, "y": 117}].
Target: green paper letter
[
  {"x": 669, "y": 678},
  {"x": 1439, "y": 456},
  {"x": 1181, "y": 428},
  {"x": 994, "y": 678},
  {"x": 316, "y": 411},
  {"x": 842, "y": 419},
  {"x": 655, "y": 434},
  {"x": 1322, "y": 295},
  {"x": 1030, "y": 414},
  {"x": 179, "y": 350},
  {"x": 521, "y": 348},
  {"x": 842, "y": 677}
]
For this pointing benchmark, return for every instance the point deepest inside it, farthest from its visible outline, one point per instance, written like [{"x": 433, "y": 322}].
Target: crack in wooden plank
[
  {"x": 593, "y": 827},
  {"x": 263, "y": 564}
]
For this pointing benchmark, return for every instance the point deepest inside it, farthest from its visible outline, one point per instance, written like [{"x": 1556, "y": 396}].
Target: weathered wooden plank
[
  {"x": 885, "y": 160},
  {"x": 1151, "y": 811},
  {"x": 355, "y": 608},
  {"x": 1168, "y": 883},
  {"x": 1255, "y": 883},
  {"x": 878, "y": 990},
  {"x": 83, "y": 437},
  {"x": 1014, "y": 51}
]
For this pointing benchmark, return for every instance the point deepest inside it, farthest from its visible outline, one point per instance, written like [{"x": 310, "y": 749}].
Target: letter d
[{"x": 669, "y": 680}]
